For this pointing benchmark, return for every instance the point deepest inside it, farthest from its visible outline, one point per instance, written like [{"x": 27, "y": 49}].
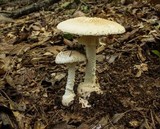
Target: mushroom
[
  {"x": 70, "y": 58},
  {"x": 90, "y": 29}
]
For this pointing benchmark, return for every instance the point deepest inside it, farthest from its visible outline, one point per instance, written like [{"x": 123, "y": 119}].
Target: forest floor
[{"x": 128, "y": 69}]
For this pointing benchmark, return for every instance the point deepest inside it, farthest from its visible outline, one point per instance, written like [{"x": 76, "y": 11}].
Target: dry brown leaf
[
  {"x": 139, "y": 73},
  {"x": 35, "y": 60},
  {"x": 140, "y": 54},
  {"x": 104, "y": 121},
  {"x": 128, "y": 35},
  {"x": 145, "y": 125},
  {"x": 7, "y": 117},
  {"x": 117, "y": 117},
  {"x": 2, "y": 84},
  {"x": 101, "y": 69},
  {"x": 63, "y": 125},
  {"x": 39, "y": 125},
  {"x": 100, "y": 49},
  {"x": 59, "y": 76},
  {"x": 10, "y": 81},
  {"x": 36, "y": 26},
  {"x": 112, "y": 58},
  {"x": 5, "y": 65},
  {"x": 134, "y": 123},
  {"x": 23, "y": 121},
  {"x": 55, "y": 49},
  {"x": 141, "y": 68},
  {"x": 19, "y": 49},
  {"x": 83, "y": 126},
  {"x": 5, "y": 19},
  {"x": 152, "y": 119},
  {"x": 157, "y": 7},
  {"x": 100, "y": 58},
  {"x": 78, "y": 14},
  {"x": 157, "y": 118},
  {"x": 5, "y": 48}
]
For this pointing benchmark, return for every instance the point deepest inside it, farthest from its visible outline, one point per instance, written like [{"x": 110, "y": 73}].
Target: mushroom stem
[
  {"x": 89, "y": 85},
  {"x": 69, "y": 94},
  {"x": 71, "y": 77},
  {"x": 90, "y": 43}
]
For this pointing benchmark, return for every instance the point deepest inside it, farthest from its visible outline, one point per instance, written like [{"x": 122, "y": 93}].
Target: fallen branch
[{"x": 31, "y": 8}]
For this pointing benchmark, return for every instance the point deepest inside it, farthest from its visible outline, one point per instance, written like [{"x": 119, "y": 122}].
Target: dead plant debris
[{"x": 31, "y": 84}]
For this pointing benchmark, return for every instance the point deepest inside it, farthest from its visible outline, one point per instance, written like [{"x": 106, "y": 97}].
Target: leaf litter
[{"x": 32, "y": 85}]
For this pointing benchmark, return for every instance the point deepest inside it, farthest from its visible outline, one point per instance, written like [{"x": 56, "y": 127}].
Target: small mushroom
[
  {"x": 70, "y": 58},
  {"x": 90, "y": 29}
]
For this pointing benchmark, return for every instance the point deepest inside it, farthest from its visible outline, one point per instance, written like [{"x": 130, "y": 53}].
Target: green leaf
[
  {"x": 156, "y": 52},
  {"x": 68, "y": 36},
  {"x": 85, "y": 8},
  {"x": 65, "y": 4}
]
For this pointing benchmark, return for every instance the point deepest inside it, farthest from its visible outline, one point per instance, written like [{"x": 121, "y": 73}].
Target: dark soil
[{"x": 32, "y": 84}]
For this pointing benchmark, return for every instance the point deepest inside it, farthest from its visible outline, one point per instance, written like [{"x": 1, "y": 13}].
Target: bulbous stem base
[{"x": 85, "y": 89}]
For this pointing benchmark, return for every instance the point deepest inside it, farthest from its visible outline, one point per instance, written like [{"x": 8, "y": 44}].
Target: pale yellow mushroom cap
[
  {"x": 69, "y": 56},
  {"x": 90, "y": 26}
]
